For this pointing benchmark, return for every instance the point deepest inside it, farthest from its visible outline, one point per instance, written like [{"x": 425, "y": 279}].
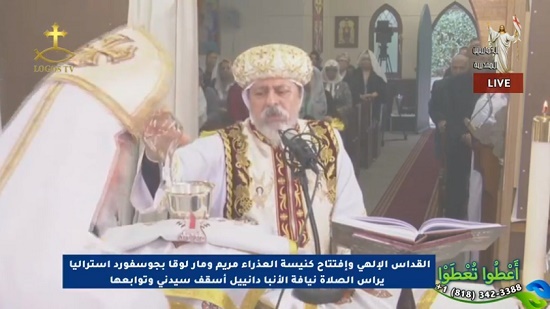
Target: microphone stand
[
  {"x": 311, "y": 296},
  {"x": 314, "y": 296}
]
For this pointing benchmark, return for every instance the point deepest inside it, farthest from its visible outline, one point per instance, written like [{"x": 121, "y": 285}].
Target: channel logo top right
[{"x": 494, "y": 74}]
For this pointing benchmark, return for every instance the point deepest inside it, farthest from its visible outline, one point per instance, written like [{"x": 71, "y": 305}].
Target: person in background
[
  {"x": 369, "y": 83},
  {"x": 214, "y": 106},
  {"x": 337, "y": 88},
  {"x": 461, "y": 101},
  {"x": 314, "y": 98},
  {"x": 222, "y": 79},
  {"x": 316, "y": 59},
  {"x": 368, "y": 89},
  {"x": 437, "y": 106},
  {"x": 210, "y": 63},
  {"x": 346, "y": 69},
  {"x": 462, "y": 51}
]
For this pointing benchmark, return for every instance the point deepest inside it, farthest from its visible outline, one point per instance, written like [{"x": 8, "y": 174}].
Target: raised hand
[{"x": 163, "y": 134}]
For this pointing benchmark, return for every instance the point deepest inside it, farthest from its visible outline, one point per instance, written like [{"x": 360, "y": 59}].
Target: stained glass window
[{"x": 389, "y": 54}]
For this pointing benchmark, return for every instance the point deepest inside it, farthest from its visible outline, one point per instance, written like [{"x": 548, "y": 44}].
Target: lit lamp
[{"x": 538, "y": 201}]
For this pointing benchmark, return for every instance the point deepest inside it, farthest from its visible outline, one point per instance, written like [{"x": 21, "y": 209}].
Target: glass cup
[{"x": 190, "y": 202}]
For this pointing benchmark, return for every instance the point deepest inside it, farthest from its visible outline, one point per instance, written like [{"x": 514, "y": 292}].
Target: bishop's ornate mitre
[{"x": 272, "y": 61}]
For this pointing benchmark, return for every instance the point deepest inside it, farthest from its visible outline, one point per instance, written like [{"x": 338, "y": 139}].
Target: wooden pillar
[
  {"x": 174, "y": 24},
  {"x": 515, "y": 139},
  {"x": 536, "y": 92}
]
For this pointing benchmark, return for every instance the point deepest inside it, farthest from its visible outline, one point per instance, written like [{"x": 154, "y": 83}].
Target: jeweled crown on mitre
[{"x": 272, "y": 61}]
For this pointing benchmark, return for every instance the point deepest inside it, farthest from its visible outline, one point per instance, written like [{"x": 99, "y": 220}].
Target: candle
[{"x": 538, "y": 200}]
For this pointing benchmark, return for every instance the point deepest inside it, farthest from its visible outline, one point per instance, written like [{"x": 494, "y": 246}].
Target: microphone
[
  {"x": 301, "y": 152},
  {"x": 302, "y": 155}
]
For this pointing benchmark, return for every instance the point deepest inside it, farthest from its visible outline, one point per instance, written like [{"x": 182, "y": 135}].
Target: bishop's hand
[{"x": 162, "y": 136}]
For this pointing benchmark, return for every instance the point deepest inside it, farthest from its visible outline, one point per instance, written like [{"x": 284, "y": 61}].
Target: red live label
[{"x": 498, "y": 82}]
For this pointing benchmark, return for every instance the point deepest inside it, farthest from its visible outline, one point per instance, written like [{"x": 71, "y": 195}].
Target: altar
[{"x": 229, "y": 237}]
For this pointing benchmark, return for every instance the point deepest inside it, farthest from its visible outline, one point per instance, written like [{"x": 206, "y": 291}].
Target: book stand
[{"x": 355, "y": 241}]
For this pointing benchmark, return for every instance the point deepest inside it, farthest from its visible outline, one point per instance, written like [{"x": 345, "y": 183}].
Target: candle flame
[{"x": 545, "y": 107}]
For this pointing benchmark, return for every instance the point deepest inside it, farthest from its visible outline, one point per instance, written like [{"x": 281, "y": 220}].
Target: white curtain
[{"x": 174, "y": 24}]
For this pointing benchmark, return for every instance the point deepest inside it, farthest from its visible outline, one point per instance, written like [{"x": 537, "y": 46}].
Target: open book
[
  {"x": 432, "y": 229},
  {"x": 444, "y": 237}
]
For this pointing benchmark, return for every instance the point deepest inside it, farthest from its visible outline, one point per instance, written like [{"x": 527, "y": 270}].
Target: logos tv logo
[{"x": 54, "y": 65}]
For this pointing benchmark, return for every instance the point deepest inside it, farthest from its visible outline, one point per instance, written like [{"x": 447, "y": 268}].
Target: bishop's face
[
  {"x": 274, "y": 105},
  {"x": 501, "y": 28}
]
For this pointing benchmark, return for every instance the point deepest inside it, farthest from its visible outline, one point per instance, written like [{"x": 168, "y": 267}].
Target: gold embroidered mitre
[
  {"x": 126, "y": 70},
  {"x": 272, "y": 61}
]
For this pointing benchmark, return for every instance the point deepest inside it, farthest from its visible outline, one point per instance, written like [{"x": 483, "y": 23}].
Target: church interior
[{"x": 400, "y": 155}]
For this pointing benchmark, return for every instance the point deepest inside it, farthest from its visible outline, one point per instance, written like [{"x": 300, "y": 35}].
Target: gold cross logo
[
  {"x": 113, "y": 48},
  {"x": 55, "y": 34}
]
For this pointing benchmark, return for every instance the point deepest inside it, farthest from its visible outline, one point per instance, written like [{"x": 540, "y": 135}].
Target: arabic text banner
[{"x": 248, "y": 271}]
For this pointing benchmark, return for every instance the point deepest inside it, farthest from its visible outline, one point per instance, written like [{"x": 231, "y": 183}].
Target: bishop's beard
[{"x": 270, "y": 129}]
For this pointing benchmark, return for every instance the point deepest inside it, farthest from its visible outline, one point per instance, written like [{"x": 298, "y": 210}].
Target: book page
[
  {"x": 387, "y": 221},
  {"x": 382, "y": 226},
  {"x": 447, "y": 224}
]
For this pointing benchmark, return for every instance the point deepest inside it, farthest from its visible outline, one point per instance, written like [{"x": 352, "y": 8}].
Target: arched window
[
  {"x": 385, "y": 39},
  {"x": 453, "y": 29}
]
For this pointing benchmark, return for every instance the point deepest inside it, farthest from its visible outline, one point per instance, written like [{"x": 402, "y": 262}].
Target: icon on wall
[{"x": 347, "y": 31}]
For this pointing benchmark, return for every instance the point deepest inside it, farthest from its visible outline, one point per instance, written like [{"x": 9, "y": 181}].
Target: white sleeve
[
  {"x": 202, "y": 108},
  {"x": 202, "y": 160},
  {"x": 140, "y": 197},
  {"x": 349, "y": 197}
]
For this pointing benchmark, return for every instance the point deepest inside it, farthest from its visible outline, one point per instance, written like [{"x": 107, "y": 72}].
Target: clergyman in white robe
[
  {"x": 67, "y": 164},
  {"x": 252, "y": 184}
]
